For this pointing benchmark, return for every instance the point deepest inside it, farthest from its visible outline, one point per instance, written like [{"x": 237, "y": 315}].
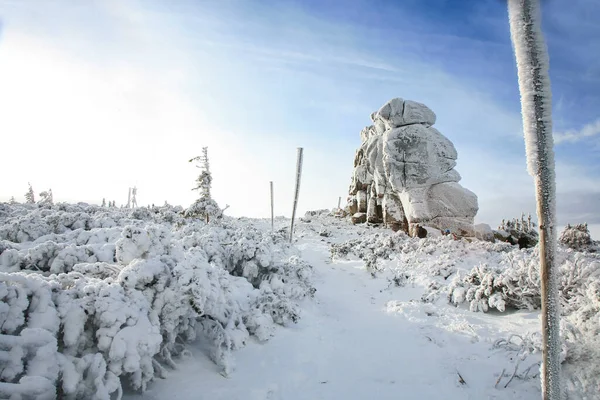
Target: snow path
[{"x": 350, "y": 345}]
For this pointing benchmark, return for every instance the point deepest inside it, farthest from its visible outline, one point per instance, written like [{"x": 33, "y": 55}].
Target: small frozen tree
[
  {"x": 30, "y": 196},
  {"x": 12, "y": 200},
  {"x": 204, "y": 180},
  {"x": 46, "y": 197},
  {"x": 103, "y": 202},
  {"x": 205, "y": 206}
]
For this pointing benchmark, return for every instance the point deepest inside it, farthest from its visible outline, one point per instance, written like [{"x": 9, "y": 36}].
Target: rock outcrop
[{"x": 404, "y": 173}]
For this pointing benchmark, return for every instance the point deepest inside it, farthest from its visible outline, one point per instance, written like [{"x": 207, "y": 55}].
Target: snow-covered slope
[{"x": 96, "y": 301}]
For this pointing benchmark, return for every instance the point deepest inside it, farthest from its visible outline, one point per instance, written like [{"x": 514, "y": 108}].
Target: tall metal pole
[
  {"x": 536, "y": 107},
  {"x": 272, "y": 216},
  {"x": 297, "y": 191}
]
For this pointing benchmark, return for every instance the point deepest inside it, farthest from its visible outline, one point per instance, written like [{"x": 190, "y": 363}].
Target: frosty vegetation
[
  {"x": 500, "y": 277},
  {"x": 204, "y": 207},
  {"x": 577, "y": 237},
  {"x": 92, "y": 298},
  {"x": 95, "y": 299}
]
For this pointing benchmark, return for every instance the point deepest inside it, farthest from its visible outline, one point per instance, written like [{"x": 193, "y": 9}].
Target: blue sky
[{"x": 111, "y": 94}]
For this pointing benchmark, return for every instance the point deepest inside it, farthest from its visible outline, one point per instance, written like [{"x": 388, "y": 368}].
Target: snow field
[{"x": 100, "y": 303}]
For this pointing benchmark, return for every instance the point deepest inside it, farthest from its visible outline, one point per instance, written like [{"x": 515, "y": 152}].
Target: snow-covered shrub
[
  {"x": 436, "y": 256},
  {"x": 499, "y": 287},
  {"x": 380, "y": 245},
  {"x": 514, "y": 283},
  {"x": 577, "y": 237},
  {"x": 46, "y": 198},
  {"x": 119, "y": 297},
  {"x": 498, "y": 276},
  {"x": 203, "y": 207}
]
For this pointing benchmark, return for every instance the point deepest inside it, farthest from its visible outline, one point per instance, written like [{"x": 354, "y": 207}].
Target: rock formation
[{"x": 404, "y": 173}]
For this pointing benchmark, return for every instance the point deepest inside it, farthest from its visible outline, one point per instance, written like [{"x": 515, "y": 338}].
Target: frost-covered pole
[
  {"x": 272, "y": 216},
  {"x": 339, "y": 202},
  {"x": 297, "y": 191},
  {"x": 536, "y": 107}
]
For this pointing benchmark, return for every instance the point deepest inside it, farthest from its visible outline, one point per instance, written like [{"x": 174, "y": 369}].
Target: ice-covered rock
[
  {"x": 484, "y": 232},
  {"x": 404, "y": 172}
]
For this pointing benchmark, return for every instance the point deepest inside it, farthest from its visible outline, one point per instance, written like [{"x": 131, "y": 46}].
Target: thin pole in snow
[
  {"x": 339, "y": 202},
  {"x": 536, "y": 107},
  {"x": 297, "y": 191},
  {"x": 272, "y": 216}
]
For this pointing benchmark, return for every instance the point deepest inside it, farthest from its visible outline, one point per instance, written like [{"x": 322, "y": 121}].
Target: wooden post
[
  {"x": 536, "y": 108},
  {"x": 297, "y": 191},
  {"x": 272, "y": 216}
]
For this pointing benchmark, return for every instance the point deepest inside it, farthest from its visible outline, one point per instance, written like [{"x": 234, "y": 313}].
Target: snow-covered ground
[
  {"x": 361, "y": 338},
  {"x": 208, "y": 311}
]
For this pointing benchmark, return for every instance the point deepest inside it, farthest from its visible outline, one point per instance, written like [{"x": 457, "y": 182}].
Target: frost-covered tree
[
  {"x": 205, "y": 207},
  {"x": 46, "y": 197},
  {"x": 204, "y": 180},
  {"x": 536, "y": 108},
  {"x": 103, "y": 202},
  {"x": 30, "y": 196},
  {"x": 12, "y": 200}
]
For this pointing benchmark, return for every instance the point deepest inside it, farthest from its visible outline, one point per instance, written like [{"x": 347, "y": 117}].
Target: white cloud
[{"x": 571, "y": 136}]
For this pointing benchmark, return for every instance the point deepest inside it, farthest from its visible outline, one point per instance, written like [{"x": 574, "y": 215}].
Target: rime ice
[{"x": 404, "y": 173}]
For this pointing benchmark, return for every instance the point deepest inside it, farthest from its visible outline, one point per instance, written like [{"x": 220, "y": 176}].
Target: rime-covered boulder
[{"x": 404, "y": 172}]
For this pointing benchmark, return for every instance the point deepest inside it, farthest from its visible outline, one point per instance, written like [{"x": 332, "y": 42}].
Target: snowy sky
[{"x": 100, "y": 95}]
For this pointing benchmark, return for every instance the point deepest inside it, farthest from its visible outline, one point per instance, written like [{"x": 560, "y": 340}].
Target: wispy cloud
[{"x": 573, "y": 135}]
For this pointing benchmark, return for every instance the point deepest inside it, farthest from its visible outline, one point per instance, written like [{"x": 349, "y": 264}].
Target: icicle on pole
[
  {"x": 536, "y": 108},
  {"x": 297, "y": 191},
  {"x": 272, "y": 215}
]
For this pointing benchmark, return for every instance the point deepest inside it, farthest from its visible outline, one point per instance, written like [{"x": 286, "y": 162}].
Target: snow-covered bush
[
  {"x": 497, "y": 276},
  {"x": 499, "y": 287},
  {"x": 111, "y": 295},
  {"x": 577, "y": 237},
  {"x": 203, "y": 207},
  {"x": 514, "y": 283},
  {"x": 46, "y": 198}
]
